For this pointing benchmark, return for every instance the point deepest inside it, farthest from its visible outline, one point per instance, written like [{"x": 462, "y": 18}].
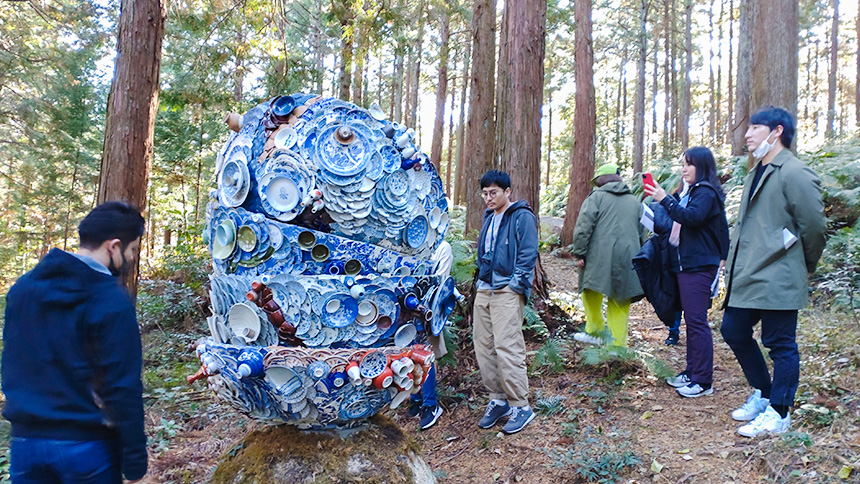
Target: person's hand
[
  {"x": 655, "y": 191},
  {"x": 579, "y": 263}
]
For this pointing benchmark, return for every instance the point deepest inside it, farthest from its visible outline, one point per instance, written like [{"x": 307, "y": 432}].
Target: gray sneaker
[
  {"x": 493, "y": 413},
  {"x": 520, "y": 417}
]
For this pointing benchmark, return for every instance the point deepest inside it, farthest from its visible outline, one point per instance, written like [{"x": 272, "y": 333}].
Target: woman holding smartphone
[{"x": 701, "y": 233}]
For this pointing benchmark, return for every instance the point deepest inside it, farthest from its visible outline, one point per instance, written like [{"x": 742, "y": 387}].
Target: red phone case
[{"x": 647, "y": 179}]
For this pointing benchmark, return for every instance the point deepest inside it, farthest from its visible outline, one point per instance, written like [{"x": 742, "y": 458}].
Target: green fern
[
  {"x": 549, "y": 406},
  {"x": 548, "y": 356},
  {"x": 533, "y": 321}
]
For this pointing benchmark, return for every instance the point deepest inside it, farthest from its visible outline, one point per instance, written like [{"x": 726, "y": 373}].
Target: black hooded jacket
[{"x": 72, "y": 359}]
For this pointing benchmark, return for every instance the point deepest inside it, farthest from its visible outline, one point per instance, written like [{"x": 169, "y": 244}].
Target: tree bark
[
  {"x": 639, "y": 107},
  {"x": 503, "y": 90},
  {"x": 655, "y": 87},
  {"x": 688, "y": 67},
  {"x": 345, "y": 16},
  {"x": 857, "y": 77},
  {"x": 416, "y": 74},
  {"x": 719, "y": 89},
  {"x": 358, "y": 72},
  {"x": 731, "y": 79},
  {"x": 441, "y": 90},
  {"x": 397, "y": 101},
  {"x": 743, "y": 88},
  {"x": 667, "y": 88},
  {"x": 584, "y": 120},
  {"x": 526, "y": 35},
  {"x": 481, "y": 127},
  {"x": 461, "y": 127},
  {"x": 450, "y": 155},
  {"x": 549, "y": 141},
  {"x": 830, "y": 131},
  {"x": 131, "y": 108},
  {"x": 711, "y": 98},
  {"x": 774, "y": 62}
]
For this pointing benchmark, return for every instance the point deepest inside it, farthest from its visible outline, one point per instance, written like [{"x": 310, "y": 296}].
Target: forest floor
[{"x": 614, "y": 420}]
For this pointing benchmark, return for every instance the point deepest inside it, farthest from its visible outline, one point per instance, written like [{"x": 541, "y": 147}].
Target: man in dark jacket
[
  {"x": 777, "y": 240},
  {"x": 507, "y": 253},
  {"x": 72, "y": 360}
]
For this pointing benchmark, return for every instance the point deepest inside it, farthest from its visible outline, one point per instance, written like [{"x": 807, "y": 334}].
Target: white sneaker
[
  {"x": 753, "y": 408},
  {"x": 694, "y": 390},
  {"x": 680, "y": 380},
  {"x": 768, "y": 422},
  {"x": 587, "y": 338}
]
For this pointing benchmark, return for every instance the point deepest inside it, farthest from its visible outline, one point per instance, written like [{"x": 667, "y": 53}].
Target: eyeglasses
[{"x": 490, "y": 194}]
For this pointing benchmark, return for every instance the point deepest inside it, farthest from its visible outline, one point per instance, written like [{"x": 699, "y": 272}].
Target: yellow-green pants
[{"x": 617, "y": 313}]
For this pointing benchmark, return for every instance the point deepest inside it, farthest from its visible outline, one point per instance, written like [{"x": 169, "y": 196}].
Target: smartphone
[{"x": 647, "y": 179}]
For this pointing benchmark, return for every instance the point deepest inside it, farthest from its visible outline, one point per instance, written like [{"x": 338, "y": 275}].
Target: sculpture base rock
[{"x": 378, "y": 453}]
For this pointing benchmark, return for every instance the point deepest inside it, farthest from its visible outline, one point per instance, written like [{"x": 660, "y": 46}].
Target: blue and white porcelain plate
[{"x": 416, "y": 232}]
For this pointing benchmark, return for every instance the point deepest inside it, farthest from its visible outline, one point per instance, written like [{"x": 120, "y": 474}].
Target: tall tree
[
  {"x": 441, "y": 86},
  {"x": 459, "y": 193},
  {"x": 584, "y": 120},
  {"x": 743, "y": 87},
  {"x": 345, "y": 16},
  {"x": 397, "y": 100},
  {"x": 731, "y": 79},
  {"x": 857, "y": 78},
  {"x": 688, "y": 68},
  {"x": 132, "y": 106},
  {"x": 639, "y": 106},
  {"x": 829, "y": 130},
  {"x": 524, "y": 61},
  {"x": 774, "y": 62},
  {"x": 415, "y": 80},
  {"x": 481, "y": 127}
]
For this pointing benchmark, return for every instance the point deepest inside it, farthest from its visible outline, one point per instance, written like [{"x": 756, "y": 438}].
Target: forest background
[
  {"x": 667, "y": 74},
  {"x": 632, "y": 82}
]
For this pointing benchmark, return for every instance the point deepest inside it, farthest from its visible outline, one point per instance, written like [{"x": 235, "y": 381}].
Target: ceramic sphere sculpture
[{"x": 324, "y": 288}]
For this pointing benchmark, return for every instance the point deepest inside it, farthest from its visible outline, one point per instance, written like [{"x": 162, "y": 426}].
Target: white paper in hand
[
  {"x": 647, "y": 218},
  {"x": 788, "y": 238}
]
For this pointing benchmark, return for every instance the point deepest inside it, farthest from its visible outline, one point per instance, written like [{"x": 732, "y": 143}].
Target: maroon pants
[{"x": 695, "y": 289}]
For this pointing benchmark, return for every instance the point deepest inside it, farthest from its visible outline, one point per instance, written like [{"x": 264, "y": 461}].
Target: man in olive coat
[
  {"x": 777, "y": 240},
  {"x": 606, "y": 238}
]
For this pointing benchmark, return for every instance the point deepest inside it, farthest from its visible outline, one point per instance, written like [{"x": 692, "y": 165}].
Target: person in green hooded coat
[{"x": 606, "y": 237}]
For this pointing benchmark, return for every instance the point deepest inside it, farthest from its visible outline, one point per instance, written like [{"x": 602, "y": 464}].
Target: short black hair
[
  {"x": 108, "y": 221},
  {"x": 497, "y": 178},
  {"x": 772, "y": 117}
]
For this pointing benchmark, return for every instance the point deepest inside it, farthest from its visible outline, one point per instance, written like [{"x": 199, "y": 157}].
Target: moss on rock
[{"x": 380, "y": 453}]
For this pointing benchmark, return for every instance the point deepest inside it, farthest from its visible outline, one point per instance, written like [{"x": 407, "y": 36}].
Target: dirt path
[
  {"x": 691, "y": 438},
  {"x": 616, "y": 418}
]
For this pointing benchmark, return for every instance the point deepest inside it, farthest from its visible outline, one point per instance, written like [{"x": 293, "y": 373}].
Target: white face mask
[{"x": 764, "y": 148}]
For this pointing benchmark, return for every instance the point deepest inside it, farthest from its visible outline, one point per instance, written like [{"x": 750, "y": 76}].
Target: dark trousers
[
  {"x": 47, "y": 461},
  {"x": 695, "y": 291},
  {"x": 779, "y": 335}
]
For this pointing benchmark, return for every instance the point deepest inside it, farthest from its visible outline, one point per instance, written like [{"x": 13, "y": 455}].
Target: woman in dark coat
[{"x": 701, "y": 233}]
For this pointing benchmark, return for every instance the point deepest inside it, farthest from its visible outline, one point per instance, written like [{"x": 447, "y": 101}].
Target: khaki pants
[{"x": 499, "y": 344}]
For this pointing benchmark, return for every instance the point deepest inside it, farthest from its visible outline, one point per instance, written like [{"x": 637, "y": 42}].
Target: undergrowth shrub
[
  {"x": 597, "y": 457},
  {"x": 549, "y": 357}
]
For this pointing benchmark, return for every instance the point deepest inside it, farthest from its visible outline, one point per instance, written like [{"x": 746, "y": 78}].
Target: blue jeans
[
  {"x": 428, "y": 389},
  {"x": 779, "y": 334},
  {"x": 47, "y": 461}
]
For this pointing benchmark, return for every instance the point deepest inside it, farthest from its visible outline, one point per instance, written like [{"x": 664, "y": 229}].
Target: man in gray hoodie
[{"x": 507, "y": 253}]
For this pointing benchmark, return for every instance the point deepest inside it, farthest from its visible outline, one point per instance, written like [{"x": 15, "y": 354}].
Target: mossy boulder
[{"x": 379, "y": 453}]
